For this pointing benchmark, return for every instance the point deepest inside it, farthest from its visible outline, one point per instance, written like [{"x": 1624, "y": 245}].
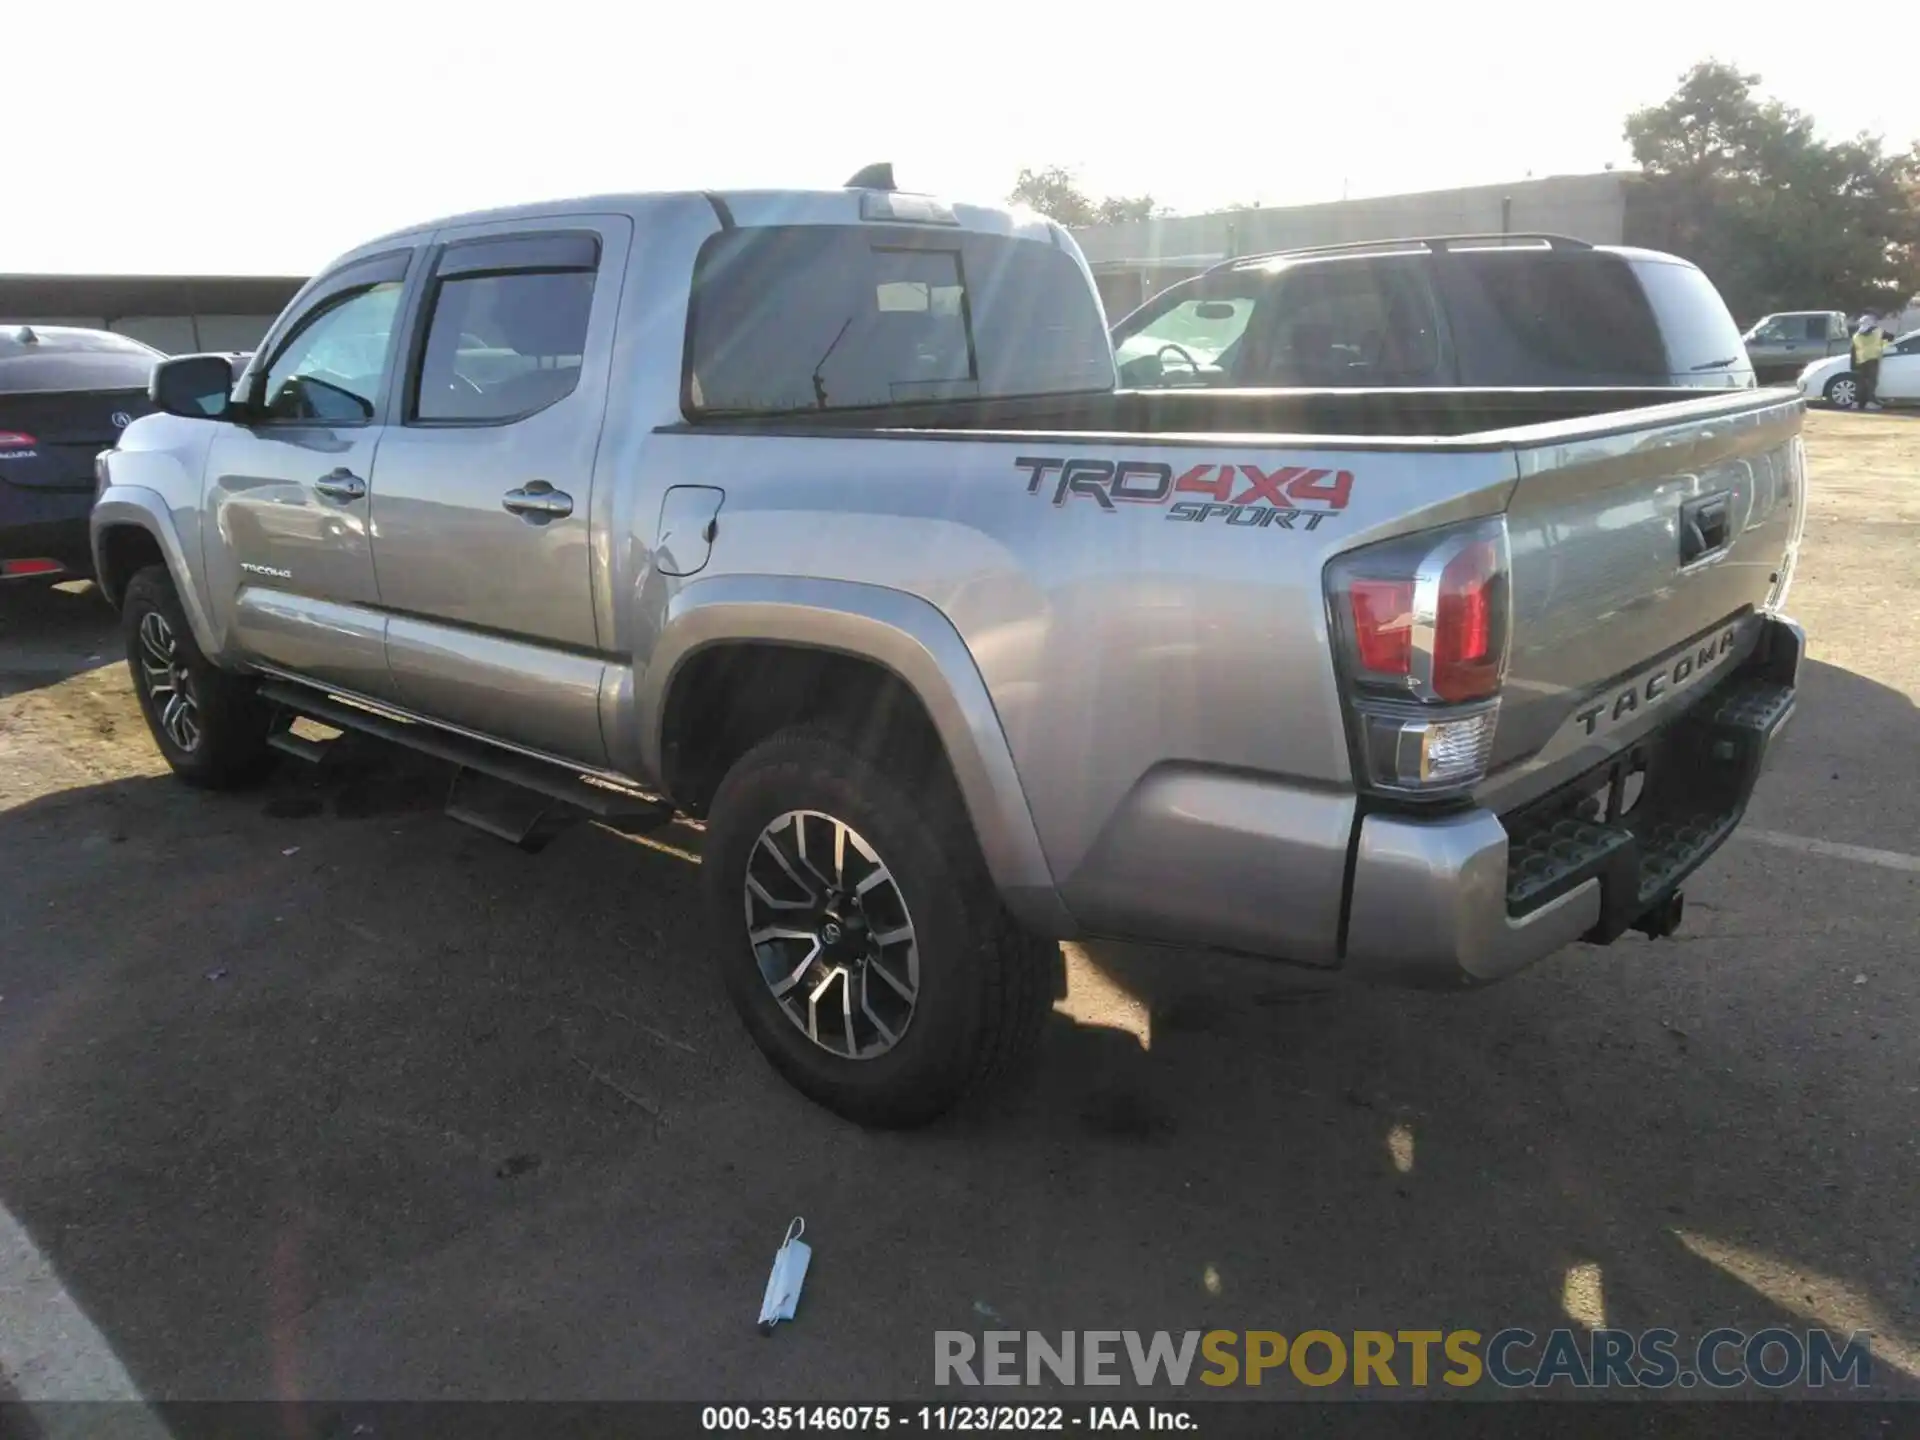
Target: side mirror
[{"x": 194, "y": 386}]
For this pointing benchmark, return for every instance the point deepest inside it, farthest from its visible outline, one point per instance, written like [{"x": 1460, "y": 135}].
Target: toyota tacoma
[{"x": 818, "y": 518}]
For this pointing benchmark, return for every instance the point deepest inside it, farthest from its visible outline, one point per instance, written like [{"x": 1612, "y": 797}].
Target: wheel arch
[
  {"x": 903, "y": 638},
  {"x": 132, "y": 528}
]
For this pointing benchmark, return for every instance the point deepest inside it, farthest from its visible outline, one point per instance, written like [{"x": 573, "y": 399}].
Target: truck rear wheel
[
  {"x": 210, "y": 725},
  {"x": 859, "y": 936}
]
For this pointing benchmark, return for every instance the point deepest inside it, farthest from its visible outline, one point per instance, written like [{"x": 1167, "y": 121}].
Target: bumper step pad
[
  {"x": 1550, "y": 859},
  {"x": 1699, "y": 772}
]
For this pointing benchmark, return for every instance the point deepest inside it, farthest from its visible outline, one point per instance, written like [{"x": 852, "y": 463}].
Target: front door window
[{"x": 335, "y": 366}]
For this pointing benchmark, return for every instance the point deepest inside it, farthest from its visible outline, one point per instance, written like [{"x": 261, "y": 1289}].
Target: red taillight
[
  {"x": 1466, "y": 650},
  {"x": 1383, "y": 625},
  {"x": 11, "y": 568},
  {"x": 16, "y": 440},
  {"x": 1421, "y": 623}
]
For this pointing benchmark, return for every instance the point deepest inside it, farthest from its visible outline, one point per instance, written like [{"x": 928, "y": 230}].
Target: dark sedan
[{"x": 65, "y": 395}]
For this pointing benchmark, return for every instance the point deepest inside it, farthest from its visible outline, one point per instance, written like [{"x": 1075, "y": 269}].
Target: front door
[
  {"x": 482, "y": 529},
  {"x": 289, "y": 551}
]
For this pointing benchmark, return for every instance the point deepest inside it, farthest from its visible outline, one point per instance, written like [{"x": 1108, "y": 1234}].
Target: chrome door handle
[
  {"x": 538, "y": 501},
  {"x": 341, "y": 484}
]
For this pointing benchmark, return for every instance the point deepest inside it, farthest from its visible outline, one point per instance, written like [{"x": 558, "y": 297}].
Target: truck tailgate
[{"x": 1641, "y": 560}]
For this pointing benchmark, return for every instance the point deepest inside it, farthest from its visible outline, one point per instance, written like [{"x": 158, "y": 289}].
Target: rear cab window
[{"x": 790, "y": 318}]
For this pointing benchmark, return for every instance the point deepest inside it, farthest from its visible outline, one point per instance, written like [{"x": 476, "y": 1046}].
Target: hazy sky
[{"x": 265, "y": 137}]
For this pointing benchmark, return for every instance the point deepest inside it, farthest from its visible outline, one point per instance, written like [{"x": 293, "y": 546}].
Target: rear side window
[
  {"x": 1816, "y": 327},
  {"x": 826, "y": 317},
  {"x": 500, "y": 347},
  {"x": 1579, "y": 315},
  {"x": 1700, "y": 335},
  {"x": 506, "y": 327}
]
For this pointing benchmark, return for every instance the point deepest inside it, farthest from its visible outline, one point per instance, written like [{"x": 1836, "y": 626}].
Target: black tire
[
  {"x": 225, "y": 746},
  {"x": 1843, "y": 391},
  {"x": 985, "y": 986}
]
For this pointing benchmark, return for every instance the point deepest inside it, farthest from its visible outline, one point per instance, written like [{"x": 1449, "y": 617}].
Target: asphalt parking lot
[{"x": 315, "y": 1093}]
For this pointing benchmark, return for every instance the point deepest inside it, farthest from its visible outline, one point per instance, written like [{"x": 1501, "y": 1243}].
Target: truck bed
[
  {"x": 1334, "y": 418},
  {"x": 1214, "y": 645}
]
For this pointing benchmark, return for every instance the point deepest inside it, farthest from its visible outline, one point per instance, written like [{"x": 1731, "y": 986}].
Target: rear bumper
[
  {"x": 48, "y": 540},
  {"x": 1475, "y": 896},
  {"x": 45, "y": 524}
]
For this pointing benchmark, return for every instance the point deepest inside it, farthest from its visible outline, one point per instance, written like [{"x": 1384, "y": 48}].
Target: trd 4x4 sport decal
[{"x": 1288, "y": 497}]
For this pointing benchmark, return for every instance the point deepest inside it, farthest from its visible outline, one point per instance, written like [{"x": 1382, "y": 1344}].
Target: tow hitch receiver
[{"x": 1663, "y": 919}]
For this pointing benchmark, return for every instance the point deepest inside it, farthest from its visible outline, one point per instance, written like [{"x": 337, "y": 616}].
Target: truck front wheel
[
  {"x": 209, "y": 724},
  {"x": 860, "y": 938}
]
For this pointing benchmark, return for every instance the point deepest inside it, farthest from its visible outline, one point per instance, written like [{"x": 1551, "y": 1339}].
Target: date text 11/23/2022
[{"x": 939, "y": 1418}]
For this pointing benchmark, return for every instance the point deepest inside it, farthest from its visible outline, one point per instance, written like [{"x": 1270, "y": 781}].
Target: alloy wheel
[
  {"x": 832, "y": 935},
  {"x": 1844, "y": 393},
  {"x": 168, "y": 683}
]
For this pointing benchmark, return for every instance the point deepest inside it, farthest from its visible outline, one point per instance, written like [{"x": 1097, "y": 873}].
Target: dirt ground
[{"x": 313, "y": 1092}]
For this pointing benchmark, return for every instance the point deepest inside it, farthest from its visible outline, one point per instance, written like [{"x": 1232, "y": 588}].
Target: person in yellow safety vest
[{"x": 1869, "y": 344}]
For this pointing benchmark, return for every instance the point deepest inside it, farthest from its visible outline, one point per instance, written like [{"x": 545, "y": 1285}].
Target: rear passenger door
[{"x": 483, "y": 535}]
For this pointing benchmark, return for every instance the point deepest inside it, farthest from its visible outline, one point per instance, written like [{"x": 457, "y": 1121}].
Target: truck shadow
[{"x": 394, "y": 1110}]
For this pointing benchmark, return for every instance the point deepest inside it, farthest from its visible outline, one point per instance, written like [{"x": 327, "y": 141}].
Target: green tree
[
  {"x": 1056, "y": 193},
  {"x": 1116, "y": 208},
  {"x": 1779, "y": 219}
]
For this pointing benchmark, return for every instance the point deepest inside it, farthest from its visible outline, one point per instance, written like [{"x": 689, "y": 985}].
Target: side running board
[{"x": 496, "y": 790}]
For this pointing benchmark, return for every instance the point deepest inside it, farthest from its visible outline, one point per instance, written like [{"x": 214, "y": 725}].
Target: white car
[{"x": 1833, "y": 380}]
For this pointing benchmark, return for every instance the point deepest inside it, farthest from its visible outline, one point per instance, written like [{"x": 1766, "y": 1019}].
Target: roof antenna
[
  {"x": 872, "y": 177},
  {"x": 23, "y": 335}
]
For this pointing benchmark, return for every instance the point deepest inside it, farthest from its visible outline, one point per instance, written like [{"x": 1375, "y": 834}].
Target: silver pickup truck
[{"x": 817, "y": 518}]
